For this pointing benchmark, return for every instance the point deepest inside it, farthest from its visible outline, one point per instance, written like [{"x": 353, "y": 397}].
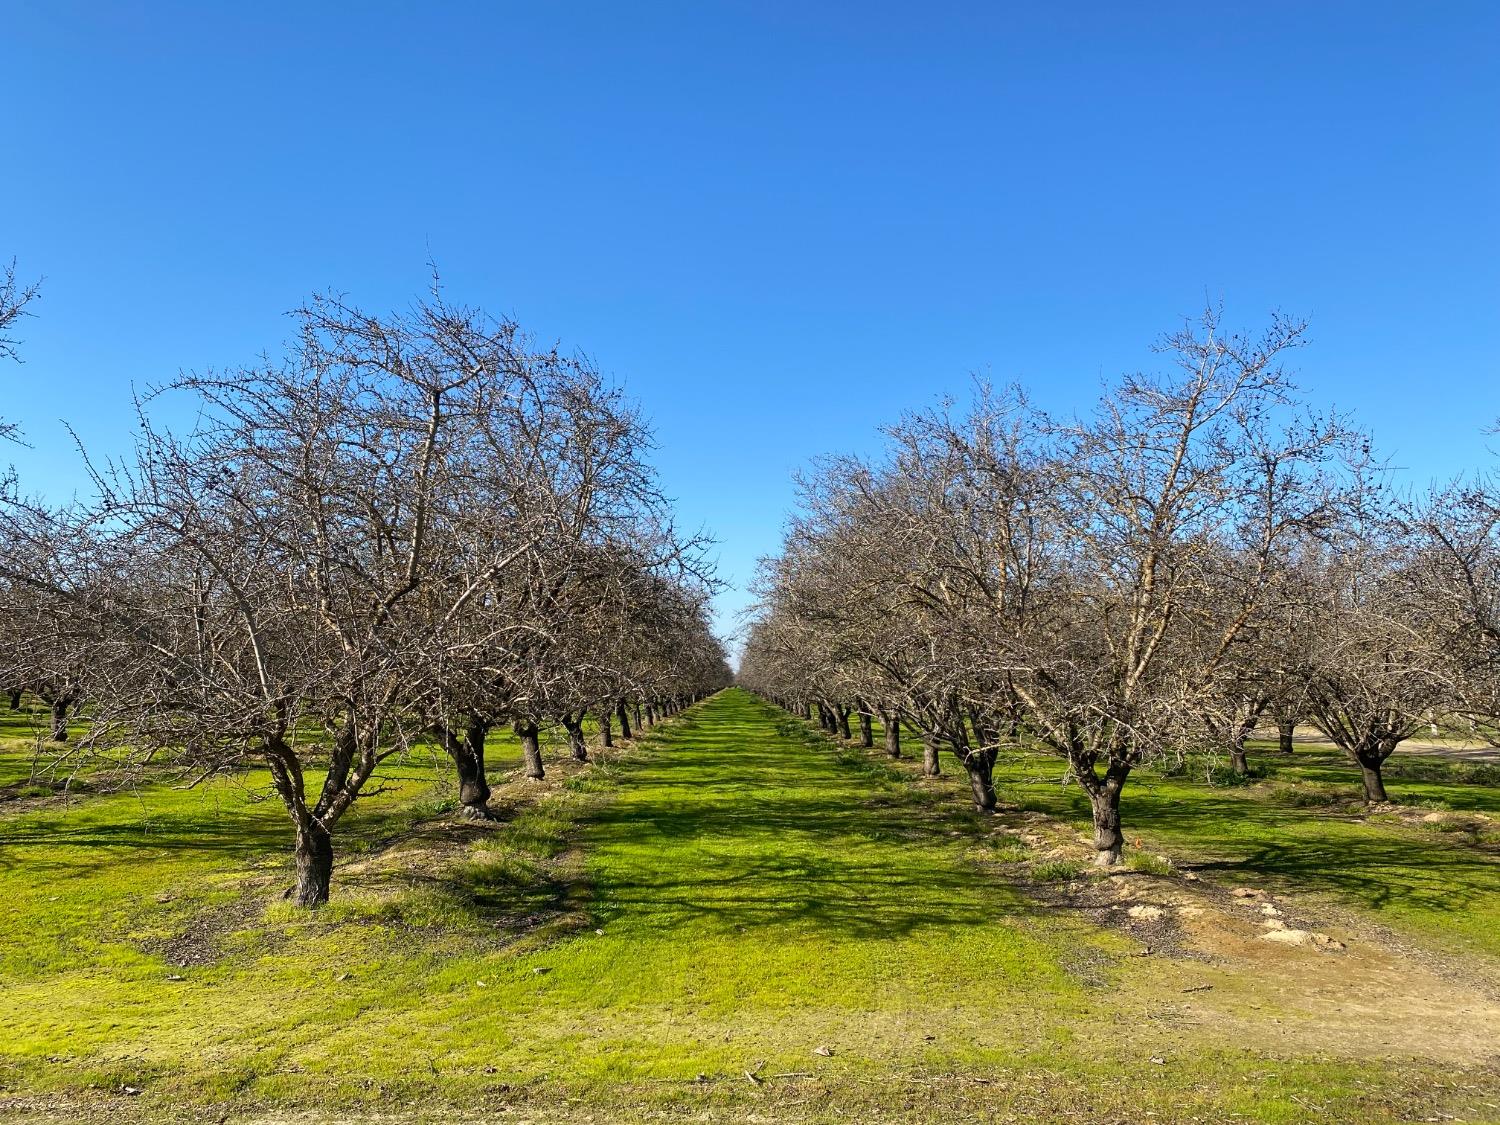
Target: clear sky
[{"x": 777, "y": 224}]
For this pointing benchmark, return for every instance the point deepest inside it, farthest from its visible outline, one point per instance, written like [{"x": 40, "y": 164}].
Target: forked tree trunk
[
  {"x": 606, "y": 735},
  {"x": 891, "y": 721},
  {"x": 1237, "y": 760},
  {"x": 314, "y": 854},
  {"x": 930, "y": 767},
  {"x": 1285, "y": 728},
  {"x": 624, "y": 716},
  {"x": 60, "y": 720},
  {"x": 531, "y": 750},
  {"x": 866, "y": 729},
  {"x": 576, "y": 744}
]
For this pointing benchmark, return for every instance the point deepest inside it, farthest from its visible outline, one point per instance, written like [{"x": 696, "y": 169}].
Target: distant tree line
[
  {"x": 417, "y": 527},
  {"x": 1201, "y": 554}
]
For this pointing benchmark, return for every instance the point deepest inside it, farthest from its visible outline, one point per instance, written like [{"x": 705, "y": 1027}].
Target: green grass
[
  {"x": 1299, "y": 824},
  {"x": 723, "y": 899},
  {"x": 1304, "y": 828}
]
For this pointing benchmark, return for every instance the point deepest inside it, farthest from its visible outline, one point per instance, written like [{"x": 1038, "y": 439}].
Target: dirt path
[{"x": 1456, "y": 750}]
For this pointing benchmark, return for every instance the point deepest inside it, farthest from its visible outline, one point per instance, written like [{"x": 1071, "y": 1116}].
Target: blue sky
[{"x": 777, "y": 224}]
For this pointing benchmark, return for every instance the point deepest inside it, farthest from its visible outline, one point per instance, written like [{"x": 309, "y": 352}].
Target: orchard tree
[
  {"x": 305, "y": 577},
  {"x": 15, "y": 295},
  {"x": 1096, "y": 583}
]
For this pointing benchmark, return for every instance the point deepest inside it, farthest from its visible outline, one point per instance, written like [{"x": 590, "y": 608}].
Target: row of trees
[
  {"x": 1201, "y": 554},
  {"x": 415, "y": 527}
]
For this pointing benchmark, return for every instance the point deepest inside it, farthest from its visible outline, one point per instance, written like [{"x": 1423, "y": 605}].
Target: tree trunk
[
  {"x": 1285, "y": 728},
  {"x": 531, "y": 750},
  {"x": 866, "y": 729},
  {"x": 575, "y": 741},
  {"x": 639, "y": 722},
  {"x": 314, "y": 852},
  {"x": 844, "y": 732},
  {"x": 891, "y": 721},
  {"x": 468, "y": 756},
  {"x": 607, "y": 736},
  {"x": 60, "y": 720},
  {"x": 650, "y": 714},
  {"x": 930, "y": 767},
  {"x": 1109, "y": 840},
  {"x": 1374, "y": 783},
  {"x": 15, "y": 699},
  {"x": 1237, "y": 760},
  {"x": 980, "y": 765},
  {"x": 624, "y": 716}
]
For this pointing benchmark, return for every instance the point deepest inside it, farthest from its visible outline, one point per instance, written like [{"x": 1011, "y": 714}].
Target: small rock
[
  {"x": 176, "y": 976},
  {"x": 481, "y": 984},
  {"x": 1268, "y": 909},
  {"x": 1158, "y": 1060},
  {"x": 1323, "y": 941},
  {"x": 344, "y": 976},
  {"x": 826, "y": 1052},
  {"x": 599, "y": 932},
  {"x": 539, "y": 970},
  {"x": 130, "y": 1091},
  {"x": 1145, "y": 913},
  {"x": 1288, "y": 937},
  {"x": 1245, "y": 892},
  {"x": 1190, "y": 876},
  {"x": 489, "y": 1070}
]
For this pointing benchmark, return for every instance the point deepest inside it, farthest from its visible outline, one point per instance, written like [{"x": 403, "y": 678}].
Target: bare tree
[
  {"x": 325, "y": 568},
  {"x": 15, "y": 295},
  {"x": 1095, "y": 583},
  {"x": 1455, "y": 571}
]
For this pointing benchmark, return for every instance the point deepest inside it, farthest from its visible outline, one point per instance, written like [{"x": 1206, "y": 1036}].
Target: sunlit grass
[{"x": 639, "y": 933}]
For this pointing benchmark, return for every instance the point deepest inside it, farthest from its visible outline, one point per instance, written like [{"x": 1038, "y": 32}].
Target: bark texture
[
  {"x": 531, "y": 750},
  {"x": 930, "y": 766},
  {"x": 314, "y": 854}
]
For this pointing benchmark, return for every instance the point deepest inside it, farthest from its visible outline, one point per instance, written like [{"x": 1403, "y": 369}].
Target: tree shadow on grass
[
  {"x": 1378, "y": 866},
  {"x": 731, "y": 823}
]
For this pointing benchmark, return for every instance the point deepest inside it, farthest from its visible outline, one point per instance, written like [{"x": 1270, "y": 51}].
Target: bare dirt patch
[{"x": 1274, "y": 971}]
